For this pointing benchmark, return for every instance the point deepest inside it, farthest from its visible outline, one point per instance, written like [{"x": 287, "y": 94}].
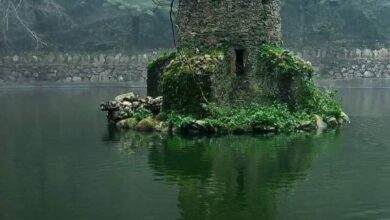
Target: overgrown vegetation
[
  {"x": 142, "y": 113},
  {"x": 155, "y": 68},
  {"x": 164, "y": 59},
  {"x": 185, "y": 93},
  {"x": 190, "y": 105},
  {"x": 189, "y": 61},
  {"x": 263, "y": 119},
  {"x": 275, "y": 118},
  {"x": 315, "y": 101},
  {"x": 186, "y": 82},
  {"x": 293, "y": 77},
  {"x": 283, "y": 62}
]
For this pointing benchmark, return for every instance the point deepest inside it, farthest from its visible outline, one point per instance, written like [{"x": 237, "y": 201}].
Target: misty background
[
  {"x": 133, "y": 26},
  {"x": 60, "y": 160}
]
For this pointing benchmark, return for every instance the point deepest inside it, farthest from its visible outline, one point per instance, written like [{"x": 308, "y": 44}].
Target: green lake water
[{"x": 59, "y": 160}]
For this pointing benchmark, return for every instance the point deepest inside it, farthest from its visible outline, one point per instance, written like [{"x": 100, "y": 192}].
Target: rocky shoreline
[{"x": 130, "y": 112}]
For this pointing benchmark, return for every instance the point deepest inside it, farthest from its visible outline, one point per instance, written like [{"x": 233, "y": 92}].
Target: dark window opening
[{"x": 240, "y": 68}]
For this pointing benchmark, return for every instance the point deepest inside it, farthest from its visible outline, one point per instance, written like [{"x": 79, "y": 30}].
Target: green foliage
[
  {"x": 184, "y": 92},
  {"x": 275, "y": 118},
  {"x": 155, "y": 71},
  {"x": 161, "y": 62},
  {"x": 142, "y": 113},
  {"x": 187, "y": 94},
  {"x": 190, "y": 61},
  {"x": 314, "y": 101},
  {"x": 180, "y": 121},
  {"x": 278, "y": 116},
  {"x": 280, "y": 61},
  {"x": 294, "y": 77},
  {"x": 186, "y": 82}
]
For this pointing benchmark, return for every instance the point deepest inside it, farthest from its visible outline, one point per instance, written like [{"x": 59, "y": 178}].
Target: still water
[{"x": 59, "y": 160}]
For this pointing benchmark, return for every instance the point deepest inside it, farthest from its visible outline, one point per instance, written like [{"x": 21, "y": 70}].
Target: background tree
[
  {"x": 350, "y": 23},
  {"x": 127, "y": 25},
  {"x": 29, "y": 17},
  {"x": 136, "y": 9},
  {"x": 83, "y": 25}
]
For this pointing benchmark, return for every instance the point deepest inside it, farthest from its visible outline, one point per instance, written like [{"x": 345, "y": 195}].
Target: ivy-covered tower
[
  {"x": 220, "y": 60},
  {"x": 229, "y": 56},
  {"x": 240, "y": 26}
]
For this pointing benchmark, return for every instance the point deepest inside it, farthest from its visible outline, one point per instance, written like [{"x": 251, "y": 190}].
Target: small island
[{"x": 229, "y": 74}]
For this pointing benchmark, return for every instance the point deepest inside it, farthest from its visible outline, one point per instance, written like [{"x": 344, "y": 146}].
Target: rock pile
[{"x": 126, "y": 105}]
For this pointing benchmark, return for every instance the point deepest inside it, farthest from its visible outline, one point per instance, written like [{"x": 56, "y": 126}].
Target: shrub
[
  {"x": 282, "y": 62},
  {"x": 230, "y": 119},
  {"x": 142, "y": 113},
  {"x": 180, "y": 121},
  {"x": 314, "y": 101}
]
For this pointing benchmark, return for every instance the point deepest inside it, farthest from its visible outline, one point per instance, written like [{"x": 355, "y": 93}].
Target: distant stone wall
[
  {"x": 58, "y": 67},
  {"x": 349, "y": 63}
]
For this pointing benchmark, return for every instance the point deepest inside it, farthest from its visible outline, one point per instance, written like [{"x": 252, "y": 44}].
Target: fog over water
[{"x": 133, "y": 25}]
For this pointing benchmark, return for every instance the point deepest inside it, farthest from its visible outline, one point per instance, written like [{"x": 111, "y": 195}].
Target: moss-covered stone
[
  {"x": 279, "y": 97},
  {"x": 127, "y": 123},
  {"x": 265, "y": 119},
  {"x": 222, "y": 80},
  {"x": 192, "y": 78},
  {"x": 163, "y": 127},
  {"x": 236, "y": 25},
  {"x": 186, "y": 83},
  {"x": 280, "y": 62},
  {"x": 155, "y": 70},
  {"x": 162, "y": 116},
  {"x": 283, "y": 74},
  {"x": 147, "y": 124},
  {"x": 185, "y": 93}
]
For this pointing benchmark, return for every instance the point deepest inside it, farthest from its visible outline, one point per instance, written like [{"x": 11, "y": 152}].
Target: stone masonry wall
[
  {"x": 232, "y": 24},
  {"x": 236, "y": 27},
  {"x": 58, "y": 67},
  {"x": 344, "y": 63},
  {"x": 242, "y": 23}
]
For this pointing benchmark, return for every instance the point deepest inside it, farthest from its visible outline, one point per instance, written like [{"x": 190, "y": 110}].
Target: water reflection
[
  {"x": 229, "y": 177},
  {"x": 59, "y": 161}
]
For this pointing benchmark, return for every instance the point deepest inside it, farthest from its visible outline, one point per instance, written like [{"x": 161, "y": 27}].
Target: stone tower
[
  {"x": 240, "y": 26},
  {"x": 236, "y": 28},
  {"x": 229, "y": 54}
]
